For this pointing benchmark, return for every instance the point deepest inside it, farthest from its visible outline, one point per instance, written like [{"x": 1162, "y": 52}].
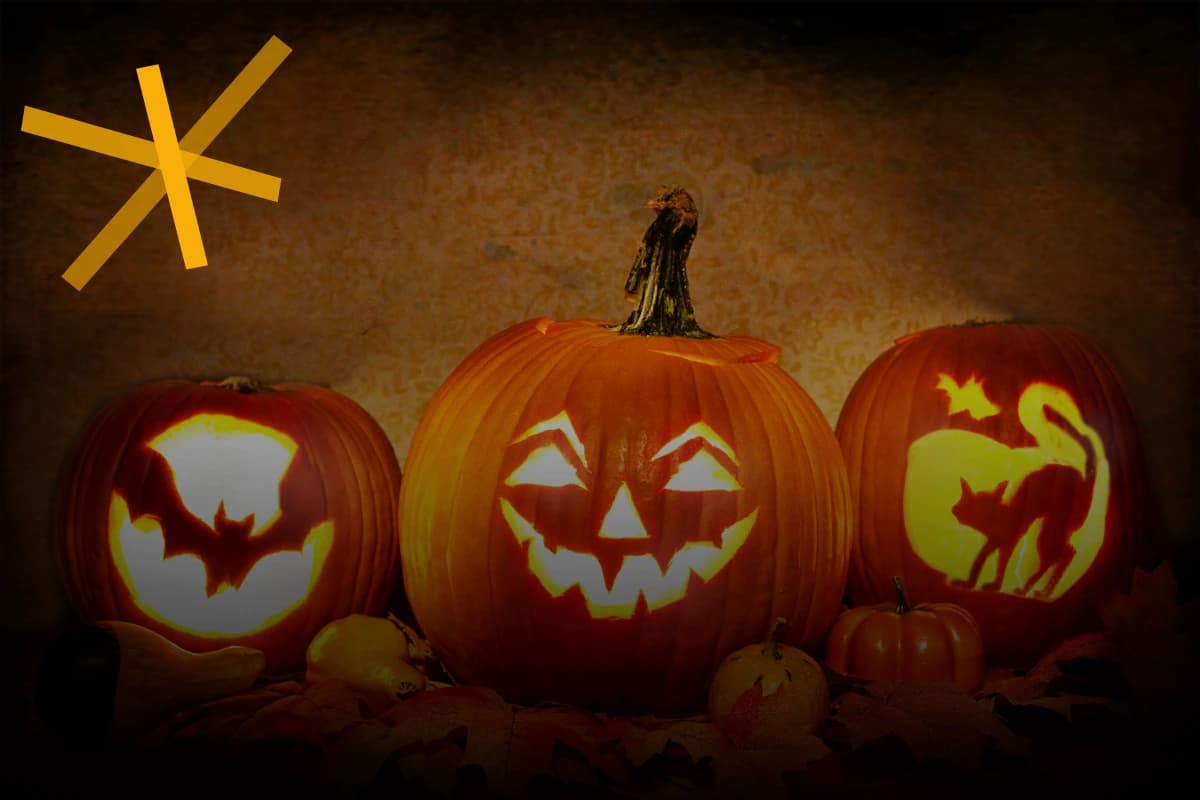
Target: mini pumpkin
[
  {"x": 995, "y": 466},
  {"x": 596, "y": 513},
  {"x": 227, "y": 512},
  {"x": 930, "y": 642},
  {"x": 766, "y": 694}
]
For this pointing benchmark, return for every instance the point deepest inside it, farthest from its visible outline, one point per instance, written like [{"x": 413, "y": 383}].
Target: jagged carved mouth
[{"x": 639, "y": 579}]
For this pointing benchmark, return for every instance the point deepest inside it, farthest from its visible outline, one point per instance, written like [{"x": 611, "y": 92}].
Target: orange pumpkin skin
[
  {"x": 473, "y": 526},
  {"x": 996, "y": 467},
  {"x": 930, "y": 642},
  {"x": 219, "y": 513}
]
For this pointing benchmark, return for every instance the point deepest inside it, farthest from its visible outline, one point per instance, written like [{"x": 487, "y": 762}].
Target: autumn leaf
[
  {"x": 644, "y": 737},
  {"x": 419, "y": 650},
  {"x": 937, "y": 721},
  {"x": 321, "y": 709},
  {"x": 1036, "y": 682},
  {"x": 428, "y": 737},
  {"x": 1149, "y": 607},
  {"x": 1155, "y": 636},
  {"x": 1063, "y": 705},
  {"x": 568, "y": 744},
  {"x": 221, "y": 718}
]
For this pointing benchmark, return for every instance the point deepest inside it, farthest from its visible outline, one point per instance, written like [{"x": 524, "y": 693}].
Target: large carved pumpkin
[
  {"x": 995, "y": 466},
  {"x": 598, "y": 514},
  {"x": 229, "y": 513}
]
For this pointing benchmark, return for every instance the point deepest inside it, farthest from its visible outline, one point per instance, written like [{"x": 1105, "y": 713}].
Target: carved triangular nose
[{"x": 622, "y": 520}]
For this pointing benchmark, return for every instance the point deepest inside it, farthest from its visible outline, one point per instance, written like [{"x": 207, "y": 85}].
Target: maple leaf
[
  {"x": 221, "y": 718},
  {"x": 642, "y": 738},
  {"x": 321, "y": 709},
  {"x": 937, "y": 721},
  {"x": 1150, "y": 606},
  {"x": 666, "y": 756},
  {"x": 567, "y": 744},
  {"x": 1037, "y": 682},
  {"x": 428, "y": 737},
  {"x": 1064, "y": 704},
  {"x": 1155, "y": 636}
]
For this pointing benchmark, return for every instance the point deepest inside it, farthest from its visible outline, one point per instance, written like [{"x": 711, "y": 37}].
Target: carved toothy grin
[{"x": 639, "y": 575}]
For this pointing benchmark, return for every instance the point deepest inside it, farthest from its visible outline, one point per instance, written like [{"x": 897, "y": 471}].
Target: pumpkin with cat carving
[{"x": 996, "y": 466}]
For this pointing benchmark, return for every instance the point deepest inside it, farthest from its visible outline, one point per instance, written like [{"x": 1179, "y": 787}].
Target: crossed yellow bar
[{"x": 173, "y": 161}]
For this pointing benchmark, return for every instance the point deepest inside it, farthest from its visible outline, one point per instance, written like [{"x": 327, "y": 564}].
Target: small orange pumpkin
[{"x": 927, "y": 643}]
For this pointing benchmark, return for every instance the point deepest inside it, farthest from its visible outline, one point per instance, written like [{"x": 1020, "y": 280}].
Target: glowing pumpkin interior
[
  {"x": 218, "y": 555},
  {"x": 1023, "y": 520},
  {"x": 605, "y": 531}
]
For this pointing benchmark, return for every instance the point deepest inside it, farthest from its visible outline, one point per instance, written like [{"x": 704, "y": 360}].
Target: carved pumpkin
[
  {"x": 995, "y": 466},
  {"x": 228, "y": 513},
  {"x": 929, "y": 642},
  {"x": 598, "y": 514}
]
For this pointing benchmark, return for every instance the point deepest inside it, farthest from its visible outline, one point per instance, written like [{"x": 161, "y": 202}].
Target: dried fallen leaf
[
  {"x": 1063, "y": 704},
  {"x": 571, "y": 745},
  {"x": 221, "y": 718},
  {"x": 938, "y": 721},
  {"x": 422, "y": 732},
  {"x": 321, "y": 709},
  {"x": 1155, "y": 635},
  {"x": 1150, "y": 606},
  {"x": 642, "y": 738},
  {"x": 766, "y": 745},
  {"x": 1036, "y": 681},
  {"x": 419, "y": 650}
]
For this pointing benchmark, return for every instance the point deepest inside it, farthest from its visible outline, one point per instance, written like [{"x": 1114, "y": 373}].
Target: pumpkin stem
[
  {"x": 241, "y": 384},
  {"x": 772, "y": 646},
  {"x": 902, "y": 606},
  {"x": 659, "y": 272}
]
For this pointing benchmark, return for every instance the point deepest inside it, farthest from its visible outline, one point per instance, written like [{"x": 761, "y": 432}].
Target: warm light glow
[
  {"x": 697, "y": 430},
  {"x": 217, "y": 458},
  {"x": 172, "y": 590},
  {"x": 968, "y": 397},
  {"x": 622, "y": 520},
  {"x": 703, "y": 473},
  {"x": 639, "y": 575},
  {"x": 562, "y": 423},
  {"x": 545, "y": 466},
  {"x": 940, "y": 461}
]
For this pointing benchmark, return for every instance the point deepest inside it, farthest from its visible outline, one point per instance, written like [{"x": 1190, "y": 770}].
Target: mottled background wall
[{"x": 449, "y": 170}]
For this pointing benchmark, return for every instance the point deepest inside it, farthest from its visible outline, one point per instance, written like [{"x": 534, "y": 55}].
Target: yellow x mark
[{"x": 174, "y": 160}]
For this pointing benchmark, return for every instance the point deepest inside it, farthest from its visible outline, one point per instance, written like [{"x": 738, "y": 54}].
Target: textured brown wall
[{"x": 450, "y": 170}]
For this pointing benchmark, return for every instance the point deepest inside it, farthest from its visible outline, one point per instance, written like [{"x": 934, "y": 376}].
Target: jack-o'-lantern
[
  {"x": 598, "y": 514},
  {"x": 995, "y": 466},
  {"x": 220, "y": 513}
]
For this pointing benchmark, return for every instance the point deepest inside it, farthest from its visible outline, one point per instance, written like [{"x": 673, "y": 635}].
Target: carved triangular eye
[
  {"x": 703, "y": 473},
  {"x": 545, "y": 466}
]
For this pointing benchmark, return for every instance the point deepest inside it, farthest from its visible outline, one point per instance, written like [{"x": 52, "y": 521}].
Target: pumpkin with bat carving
[
  {"x": 598, "y": 514},
  {"x": 996, "y": 467},
  {"x": 220, "y": 513}
]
